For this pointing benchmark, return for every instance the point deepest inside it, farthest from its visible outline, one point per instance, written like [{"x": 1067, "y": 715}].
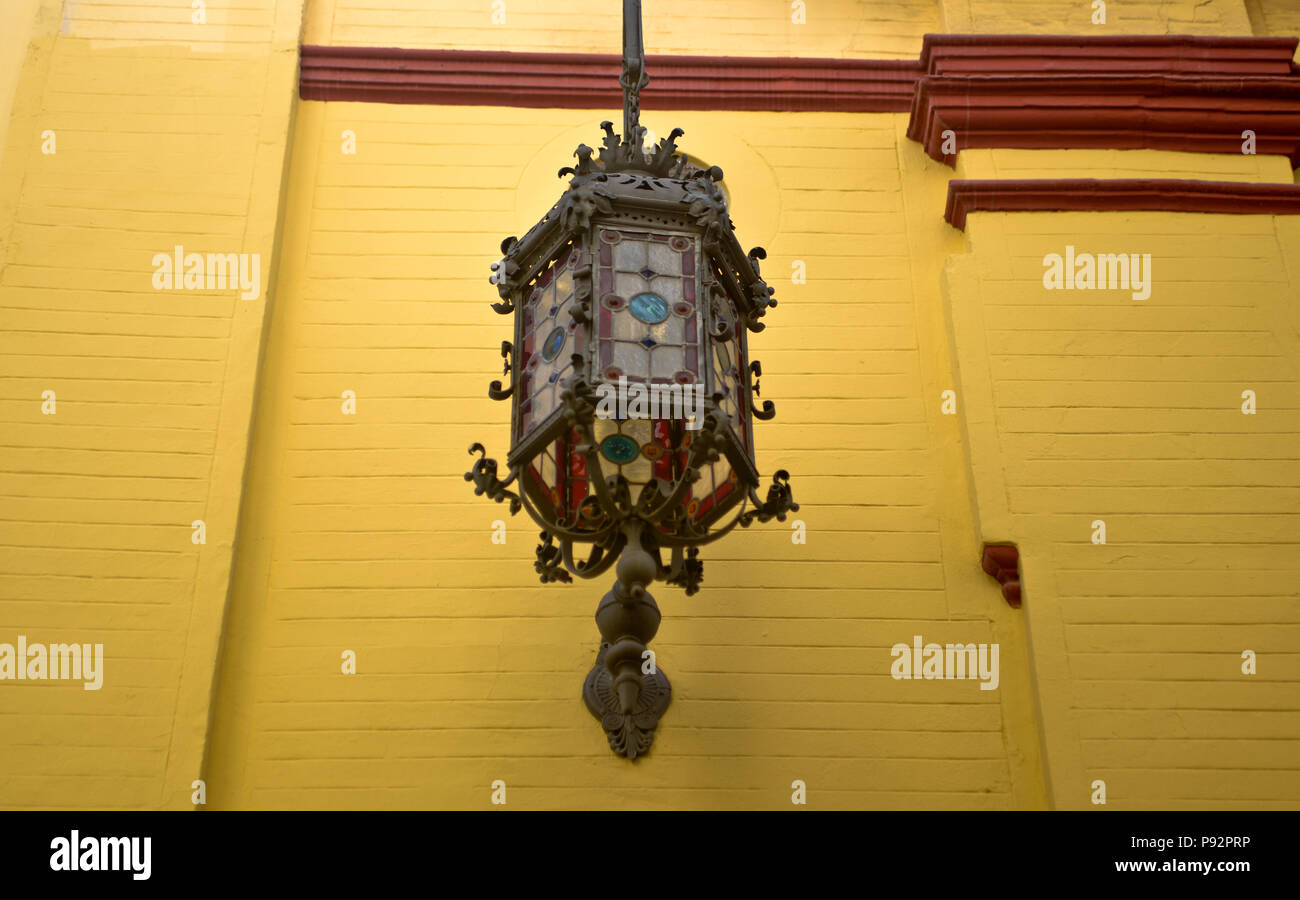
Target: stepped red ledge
[
  {"x": 1191, "y": 113},
  {"x": 1186, "y": 93},
  {"x": 1032, "y": 91},
  {"x": 1157, "y": 194}
]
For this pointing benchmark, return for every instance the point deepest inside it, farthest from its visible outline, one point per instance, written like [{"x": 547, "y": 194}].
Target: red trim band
[
  {"x": 1041, "y": 54},
  {"x": 590, "y": 81},
  {"x": 1161, "y": 194},
  {"x": 1024, "y": 91},
  {"x": 582, "y": 80},
  {"x": 1194, "y": 113}
]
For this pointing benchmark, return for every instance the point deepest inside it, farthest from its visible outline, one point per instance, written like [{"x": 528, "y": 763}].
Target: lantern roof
[{"x": 625, "y": 177}]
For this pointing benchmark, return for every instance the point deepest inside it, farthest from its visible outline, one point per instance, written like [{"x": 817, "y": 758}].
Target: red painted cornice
[
  {"x": 1195, "y": 113},
  {"x": 1041, "y": 54},
  {"x": 590, "y": 81},
  {"x": 1033, "y": 91},
  {"x": 1160, "y": 194}
]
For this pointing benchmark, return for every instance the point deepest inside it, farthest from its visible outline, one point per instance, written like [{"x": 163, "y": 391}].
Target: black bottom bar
[{"x": 644, "y": 851}]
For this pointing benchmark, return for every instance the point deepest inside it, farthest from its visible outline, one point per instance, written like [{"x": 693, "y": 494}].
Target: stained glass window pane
[
  {"x": 626, "y": 328},
  {"x": 665, "y": 362},
  {"x": 629, "y": 254},
  {"x": 649, "y": 273},
  {"x": 703, "y": 487},
  {"x": 550, "y": 340},
  {"x": 638, "y": 430},
  {"x": 631, "y": 358},
  {"x": 628, "y": 284},
  {"x": 663, "y": 259}
]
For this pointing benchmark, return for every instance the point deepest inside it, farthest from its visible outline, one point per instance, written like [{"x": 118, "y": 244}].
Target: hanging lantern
[{"x": 632, "y": 392}]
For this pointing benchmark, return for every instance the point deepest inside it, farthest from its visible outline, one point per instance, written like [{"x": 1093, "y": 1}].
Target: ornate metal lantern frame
[{"x": 674, "y": 482}]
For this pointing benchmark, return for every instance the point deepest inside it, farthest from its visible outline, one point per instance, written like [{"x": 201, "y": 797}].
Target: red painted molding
[
  {"x": 1164, "y": 112},
  {"x": 590, "y": 81},
  {"x": 1041, "y": 54},
  {"x": 1072, "y": 194},
  {"x": 1002, "y": 561},
  {"x": 1023, "y": 91}
]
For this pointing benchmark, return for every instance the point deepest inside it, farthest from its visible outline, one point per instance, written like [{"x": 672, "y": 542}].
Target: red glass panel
[{"x": 663, "y": 466}]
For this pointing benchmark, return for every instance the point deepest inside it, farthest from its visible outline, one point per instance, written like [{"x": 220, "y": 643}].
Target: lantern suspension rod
[{"x": 634, "y": 75}]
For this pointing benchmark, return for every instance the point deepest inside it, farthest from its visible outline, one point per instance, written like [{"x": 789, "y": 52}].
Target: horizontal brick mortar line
[{"x": 1090, "y": 194}]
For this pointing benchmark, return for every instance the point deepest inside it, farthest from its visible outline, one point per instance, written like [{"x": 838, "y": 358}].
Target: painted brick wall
[
  {"x": 1280, "y": 18},
  {"x": 1213, "y": 17},
  {"x": 154, "y": 144},
  {"x": 850, "y": 28},
  {"x": 360, "y": 532},
  {"x": 367, "y": 537},
  {"x": 1088, "y": 406},
  {"x": 836, "y": 28}
]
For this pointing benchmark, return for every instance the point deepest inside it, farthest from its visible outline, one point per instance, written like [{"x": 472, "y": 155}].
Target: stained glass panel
[
  {"x": 550, "y": 338},
  {"x": 648, "y": 321}
]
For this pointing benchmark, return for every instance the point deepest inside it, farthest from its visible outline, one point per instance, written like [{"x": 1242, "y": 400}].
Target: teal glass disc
[
  {"x": 619, "y": 448},
  {"x": 649, "y": 308}
]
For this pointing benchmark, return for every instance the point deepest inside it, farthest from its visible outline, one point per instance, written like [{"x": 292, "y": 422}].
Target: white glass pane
[
  {"x": 667, "y": 361},
  {"x": 603, "y": 428},
  {"x": 629, "y": 254},
  {"x": 628, "y": 284},
  {"x": 671, "y": 330},
  {"x": 638, "y": 471},
  {"x": 626, "y": 327},
  {"x": 632, "y": 359},
  {"x": 721, "y": 469},
  {"x": 704, "y": 486},
  {"x": 664, "y": 260},
  {"x": 669, "y": 288},
  {"x": 638, "y": 430},
  {"x": 543, "y": 403}
]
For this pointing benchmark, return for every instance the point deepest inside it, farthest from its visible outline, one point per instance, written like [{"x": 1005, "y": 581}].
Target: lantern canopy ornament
[{"x": 631, "y": 391}]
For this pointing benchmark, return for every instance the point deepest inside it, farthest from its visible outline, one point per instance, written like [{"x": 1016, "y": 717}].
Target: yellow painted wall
[
  {"x": 365, "y": 536},
  {"x": 1211, "y": 17},
  {"x": 360, "y": 533},
  {"x": 164, "y": 133},
  {"x": 835, "y": 28},
  {"x": 1090, "y": 406},
  {"x": 16, "y": 27},
  {"x": 864, "y": 29},
  {"x": 1274, "y": 17}
]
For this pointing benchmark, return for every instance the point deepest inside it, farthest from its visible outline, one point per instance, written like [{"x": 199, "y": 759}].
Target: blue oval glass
[{"x": 553, "y": 344}]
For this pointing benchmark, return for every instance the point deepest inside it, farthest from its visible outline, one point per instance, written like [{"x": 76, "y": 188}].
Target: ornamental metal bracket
[{"x": 495, "y": 390}]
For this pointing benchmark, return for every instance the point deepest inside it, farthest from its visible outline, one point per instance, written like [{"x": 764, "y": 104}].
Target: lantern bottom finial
[
  {"x": 626, "y": 690},
  {"x": 630, "y": 733}
]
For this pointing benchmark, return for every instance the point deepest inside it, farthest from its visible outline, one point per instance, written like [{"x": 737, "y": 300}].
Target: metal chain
[{"x": 634, "y": 76}]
